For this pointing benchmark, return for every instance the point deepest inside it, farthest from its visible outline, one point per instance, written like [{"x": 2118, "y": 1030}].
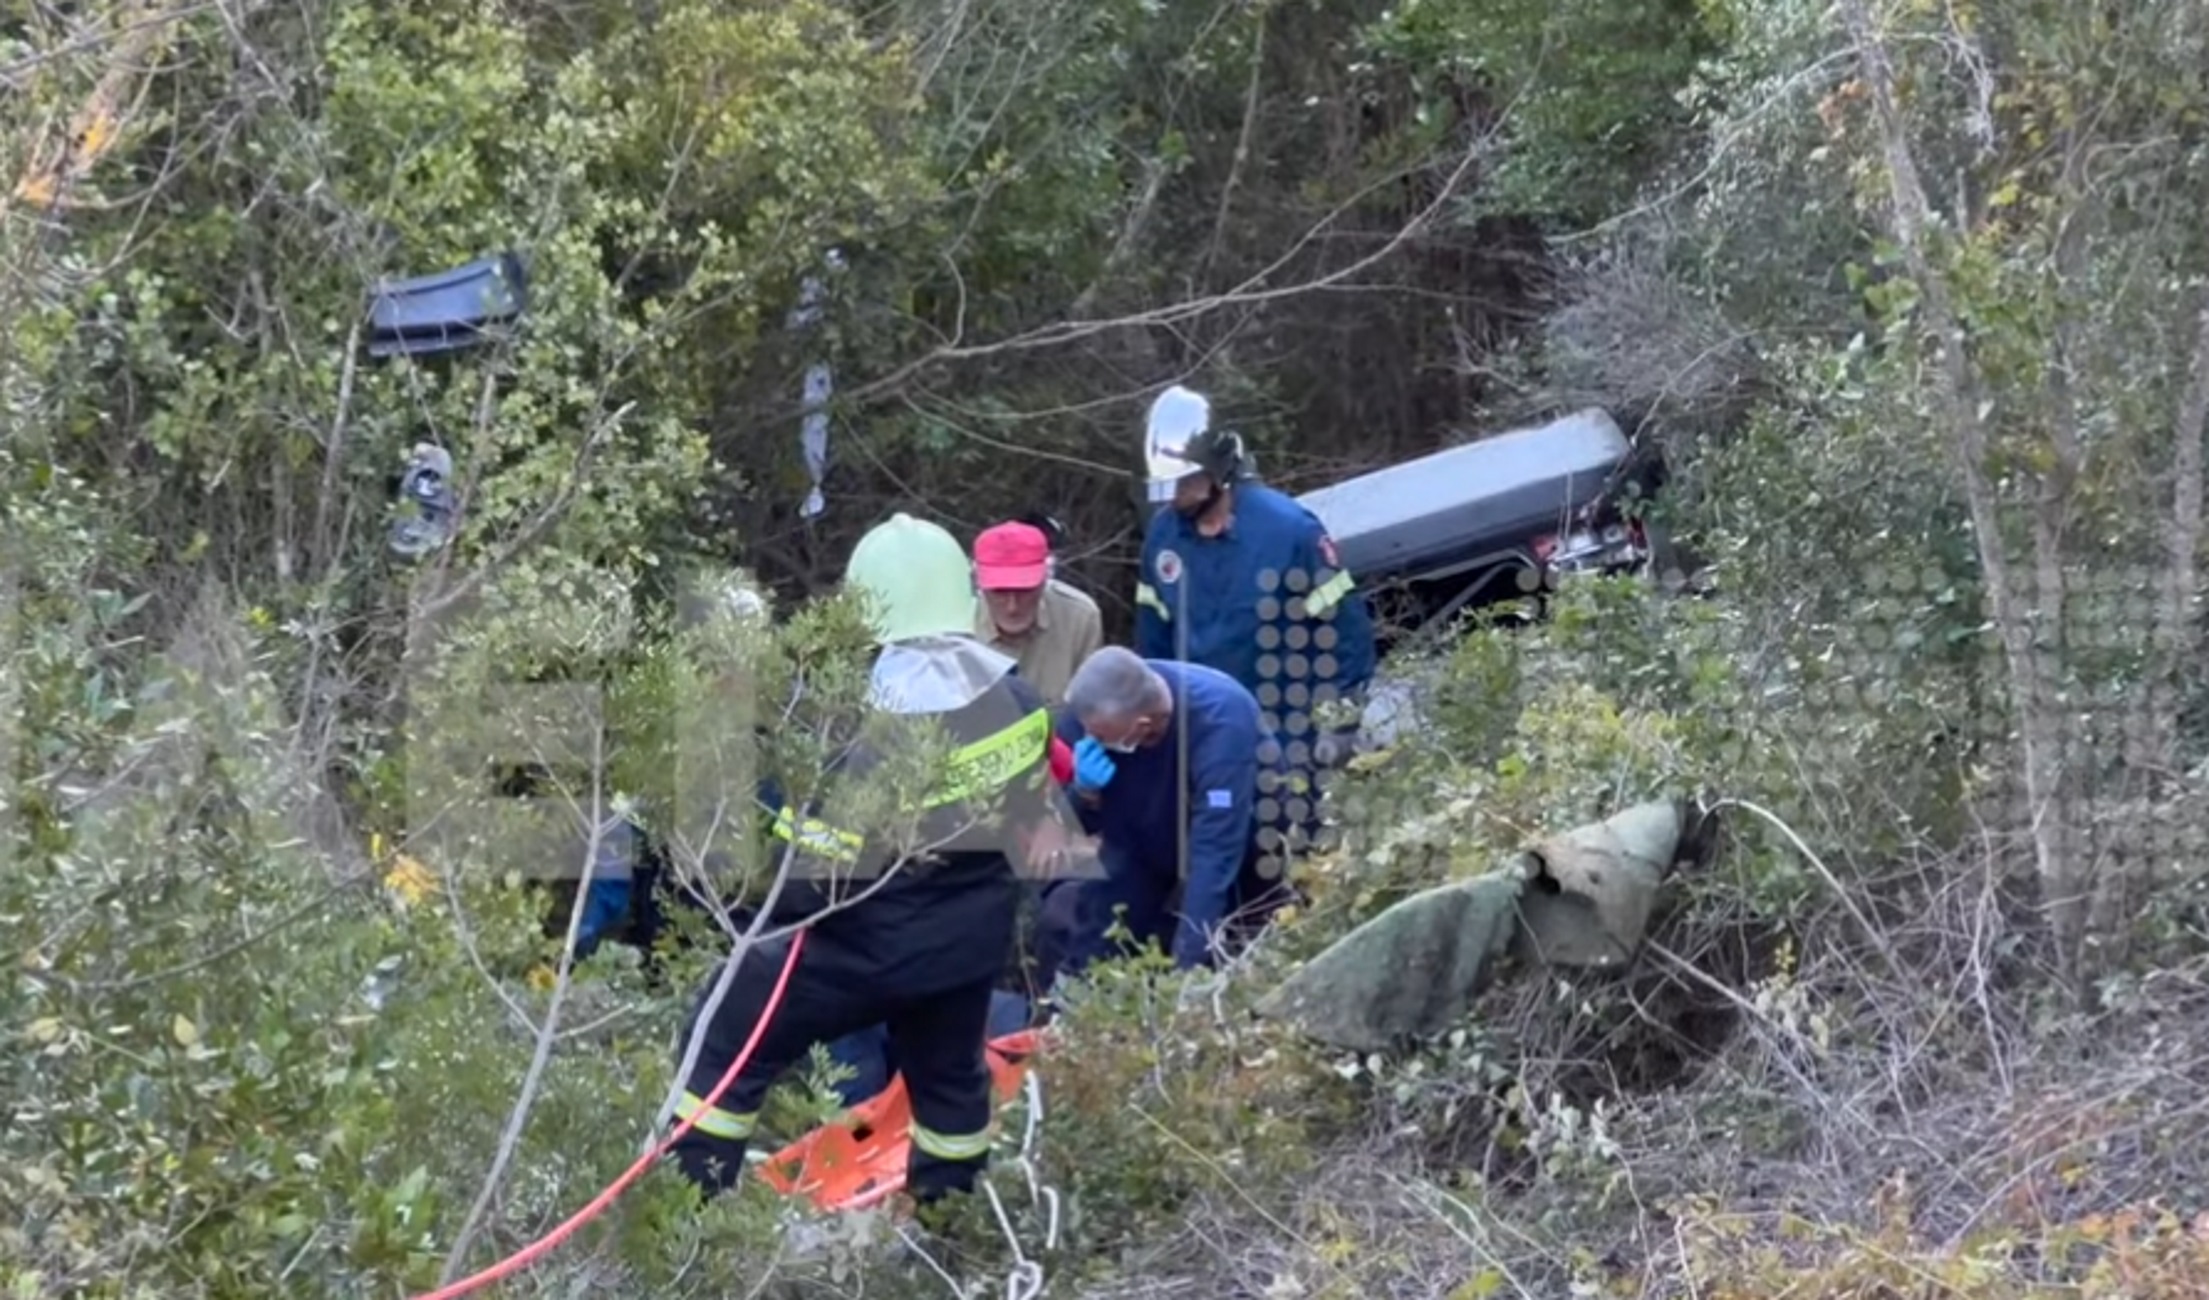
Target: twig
[
  {"x": 333, "y": 456},
  {"x": 1472, "y": 1216},
  {"x": 533, "y": 529},
  {"x": 1751, "y": 1012},
  {"x": 546, "y": 1032},
  {"x": 1871, "y": 932},
  {"x": 474, "y": 953},
  {"x": 1243, "y": 140},
  {"x": 723, "y": 981},
  {"x": 228, "y": 950},
  {"x": 10, "y": 74},
  {"x": 1246, "y": 294}
]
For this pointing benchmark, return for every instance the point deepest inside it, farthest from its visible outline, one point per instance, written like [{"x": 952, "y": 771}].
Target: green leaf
[{"x": 410, "y": 1188}]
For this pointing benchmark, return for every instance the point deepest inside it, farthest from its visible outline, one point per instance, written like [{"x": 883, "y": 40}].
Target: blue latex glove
[{"x": 1093, "y": 767}]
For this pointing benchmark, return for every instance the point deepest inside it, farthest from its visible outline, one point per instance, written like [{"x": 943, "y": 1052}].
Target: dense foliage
[{"x": 1912, "y": 297}]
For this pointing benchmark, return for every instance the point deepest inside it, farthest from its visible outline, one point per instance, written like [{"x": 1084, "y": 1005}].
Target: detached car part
[{"x": 451, "y": 311}]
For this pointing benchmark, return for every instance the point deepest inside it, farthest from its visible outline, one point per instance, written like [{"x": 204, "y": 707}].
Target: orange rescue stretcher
[{"x": 861, "y": 1161}]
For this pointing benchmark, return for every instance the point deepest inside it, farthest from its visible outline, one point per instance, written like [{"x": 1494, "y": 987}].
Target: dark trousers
[
  {"x": 937, "y": 1037},
  {"x": 1079, "y": 914},
  {"x": 873, "y": 1057}
]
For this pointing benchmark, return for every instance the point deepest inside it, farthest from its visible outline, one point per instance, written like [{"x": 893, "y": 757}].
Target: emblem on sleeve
[{"x": 1169, "y": 566}]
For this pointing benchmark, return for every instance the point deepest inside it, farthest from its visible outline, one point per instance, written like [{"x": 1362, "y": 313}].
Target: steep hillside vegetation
[{"x": 1914, "y": 299}]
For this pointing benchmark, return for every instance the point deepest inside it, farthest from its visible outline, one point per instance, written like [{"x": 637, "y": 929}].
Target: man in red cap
[{"x": 1027, "y": 613}]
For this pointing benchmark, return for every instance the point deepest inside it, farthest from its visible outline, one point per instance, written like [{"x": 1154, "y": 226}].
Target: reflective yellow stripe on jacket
[
  {"x": 1329, "y": 593},
  {"x": 993, "y": 761},
  {"x": 816, "y": 836},
  {"x": 973, "y": 770},
  {"x": 1323, "y": 598},
  {"x": 1146, "y": 594}
]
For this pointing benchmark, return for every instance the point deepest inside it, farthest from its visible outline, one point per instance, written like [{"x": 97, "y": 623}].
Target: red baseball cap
[{"x": 1012, "y": 557}]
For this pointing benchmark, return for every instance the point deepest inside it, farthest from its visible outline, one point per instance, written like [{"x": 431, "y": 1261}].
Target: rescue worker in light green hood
[{"x": 921, "y": 952}]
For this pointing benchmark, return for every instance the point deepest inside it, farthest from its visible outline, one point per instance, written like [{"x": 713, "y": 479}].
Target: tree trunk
[
  {"x": 2182, "y": 538},
  {"x": 2019, "y": 624}
]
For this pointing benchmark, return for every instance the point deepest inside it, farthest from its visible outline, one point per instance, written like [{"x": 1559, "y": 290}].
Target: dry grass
[{"x": 1790, "y": 1114}]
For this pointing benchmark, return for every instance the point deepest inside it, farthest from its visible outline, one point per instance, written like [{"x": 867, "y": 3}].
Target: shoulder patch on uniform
[
  {"x": 1327, "y": 551},
  {"x": 1169, "y": 566},
  {"x": 1219, "y": 798}
]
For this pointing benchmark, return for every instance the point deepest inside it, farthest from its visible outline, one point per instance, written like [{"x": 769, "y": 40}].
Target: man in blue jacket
[
  {"x": 1242, "y": 578},
  {"x": 1165, "y": 776}
]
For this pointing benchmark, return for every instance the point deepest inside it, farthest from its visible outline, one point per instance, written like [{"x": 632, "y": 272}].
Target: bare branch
[
  {"x": 547, "y": 1031},
  {"x": 1247, "y": 294},
  {"x": 11, "y": 74},
  {"x": 527, "y": 535},
  {"x": 1243, "y": 139}
]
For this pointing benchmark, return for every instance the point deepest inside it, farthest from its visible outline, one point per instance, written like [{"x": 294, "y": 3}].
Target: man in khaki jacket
[{"x": 1027, "y": 613}]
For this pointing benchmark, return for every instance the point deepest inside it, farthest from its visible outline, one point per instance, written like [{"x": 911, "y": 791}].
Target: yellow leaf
[
  {"x": 46, "y": 1030},
  {"x": 185, "y": 1031},
  {"x": 410, "y": 880},
  {"x": 542, "y": 977},
  {"x": 1479, "y": 1286}
]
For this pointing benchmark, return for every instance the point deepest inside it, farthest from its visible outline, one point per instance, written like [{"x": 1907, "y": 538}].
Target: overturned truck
[
  {"x": 1497, "y": 519},
  {"x": 1494, "y": 519}
]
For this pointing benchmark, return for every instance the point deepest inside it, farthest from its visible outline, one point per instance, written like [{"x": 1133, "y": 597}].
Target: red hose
[{"x": 544, "y": 1245}]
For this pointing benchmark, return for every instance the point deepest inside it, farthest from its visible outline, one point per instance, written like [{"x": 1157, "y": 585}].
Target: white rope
[
  {"x": 1033, "y": 1087},
  {"x": 1025, "y": 1281},
  {"x": 913, "y": 1243},
  {"x": 1038, "y": 1193}
]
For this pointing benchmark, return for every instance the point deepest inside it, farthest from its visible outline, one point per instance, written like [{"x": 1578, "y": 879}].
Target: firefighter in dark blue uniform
[
  {"x": 1240, "y": 577},
  {"x": 921, "y": 952}
]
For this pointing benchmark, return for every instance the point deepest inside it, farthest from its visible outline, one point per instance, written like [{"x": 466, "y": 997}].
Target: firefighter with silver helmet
[{"x": 1239, "y": 576}]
